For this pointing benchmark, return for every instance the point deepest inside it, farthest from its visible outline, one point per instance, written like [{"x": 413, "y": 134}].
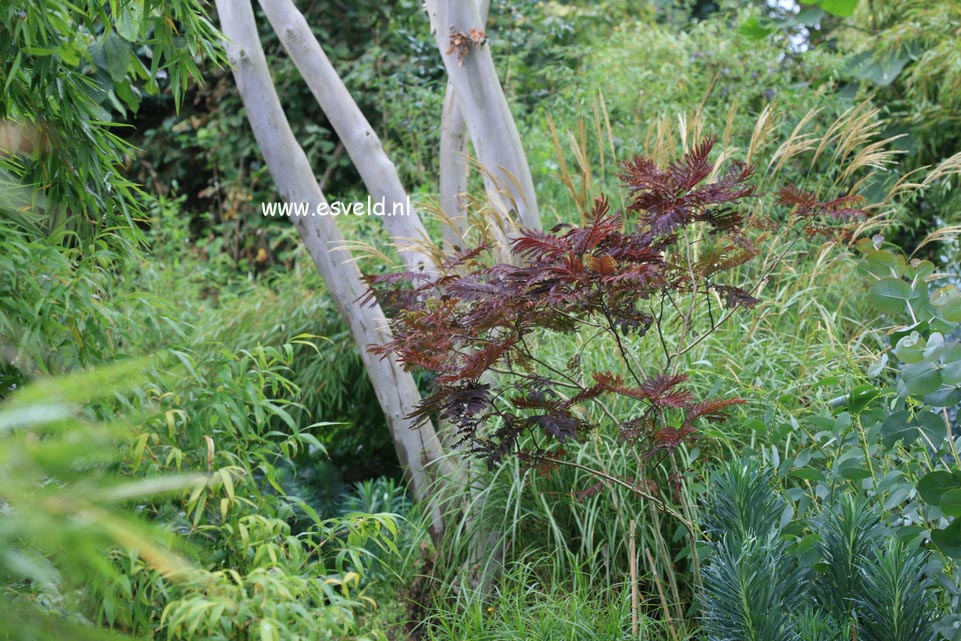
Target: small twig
[
  {"x": 660, "y": 592},
  {"x": 620, "y": 346},
  {"x": 635, "y": 600},
  {"x": 660, "y": 334},
  {"x": 661, "y": 505},
  {"x": 730, "y": 312},
  {"x": 574, "y": 382},
  {"x": 511, "y": 372}
]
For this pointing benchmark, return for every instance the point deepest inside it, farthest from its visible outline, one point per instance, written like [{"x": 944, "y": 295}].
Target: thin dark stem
[
  {"x": 620, "y": 346},
  {"x": 660, "y": 334},
  {"x": 710, "y": 308},
  {"x": 600, "y": 331},
  {"x": 579, "y": 321},
  {"x": 763, "y": 279},
  {"x": 573, "y": 386},
  {"x": 673, "y": 303},
  {"x": 527, "y": 353},
  {"x": 661, "y": 505}
]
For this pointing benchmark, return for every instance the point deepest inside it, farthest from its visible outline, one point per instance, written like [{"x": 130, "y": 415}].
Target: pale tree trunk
[
  {"x": 361, "y": 142},
  {"x": 454, "y": 174},
  {"x": 419, "y": 450},
  {"x": 454, "y": 168},
  {"x": 484, "y": 107}
]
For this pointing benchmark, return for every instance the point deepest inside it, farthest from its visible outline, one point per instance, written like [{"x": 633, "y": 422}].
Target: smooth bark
[
  {"x": 454, "y": 170},
  {"x": 419, "y": 450},
  {"x": 484, "y": 107}
]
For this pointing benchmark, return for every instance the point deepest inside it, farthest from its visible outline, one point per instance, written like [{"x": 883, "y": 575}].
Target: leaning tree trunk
[
  {"x": 361, "y": 142},
  {"x": 419, "y": 450},
  {"x": 493, "y": 132}
]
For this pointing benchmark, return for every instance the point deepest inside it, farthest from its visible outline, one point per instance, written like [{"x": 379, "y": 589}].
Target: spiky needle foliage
[
  {"x": 748, "y": 593},
  {"x": 748, "y": 587},
  {"x": 846, "y": 536},
  {"x": 742, "y": 505},
  {"x": 863, "y": 583},
  {"x": 895, "y": 604}
]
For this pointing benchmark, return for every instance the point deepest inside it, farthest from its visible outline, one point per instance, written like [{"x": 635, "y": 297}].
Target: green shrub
[
  {"x": 61, "y": 309},
  {"x": 211, "y": 431},
  {"x": 62, "y": 506},
  {"x": 220, "y": 416},
  {"x": 764, "y": 581}
]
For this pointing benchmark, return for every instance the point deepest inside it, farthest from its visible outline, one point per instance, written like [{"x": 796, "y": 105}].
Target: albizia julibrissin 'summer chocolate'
[{"x": 617, "y": 275}]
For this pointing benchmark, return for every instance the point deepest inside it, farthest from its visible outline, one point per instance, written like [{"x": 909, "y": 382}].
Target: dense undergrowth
[{"x": 190, "y": 449}]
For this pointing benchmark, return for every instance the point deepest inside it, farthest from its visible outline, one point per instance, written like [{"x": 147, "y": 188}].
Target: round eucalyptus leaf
[
  {"x": 921, "y": 378},
  {"x": 934, "y": 484},
  {"x": 932, "y": 425},
  {"x": 951, "y": 369},
  {"x": 890, "y": 295},
  {"x": 922, "y": 269},
  {"x": 932, "y": 349},
  {"x": 944, "y": 396},
  {"x": 903, "y": 426},
  {"x": 948, "y": 539},
  {"x": 897, "y": 427},
  {"x": 921, "y": 327},
  {"x": 882, "y": 263},
  {"x": 951, "y": 502},
  {"x": 910, "y": 349},
  {"x": 947, "y": 300}
]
